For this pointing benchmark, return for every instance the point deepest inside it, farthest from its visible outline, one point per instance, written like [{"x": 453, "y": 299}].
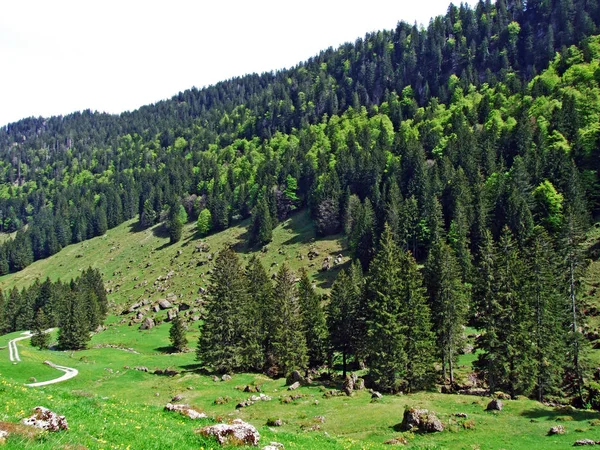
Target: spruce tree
[
  {"x": 448, "y": 302},
  {"x": 313, "y": 318},
  {"x": 289, "y": 343},
  {"x": 74, "y": 331},
  {"x": 40, "y": 338},
  {"x": 543, "y": 288},
  {"x": 342, "y": 318},
  {"x": 385, "y": 332},
  {"x": 177, "y": 334},
  {"x": 220, "y": 342},
  {"x": 260, "y": 292},
  {"x": 261, "y": 231},
  {"x": 416, "y": 318}
]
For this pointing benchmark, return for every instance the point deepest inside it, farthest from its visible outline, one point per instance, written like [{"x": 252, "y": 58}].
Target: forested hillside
[{"x": 471, "y": 147}]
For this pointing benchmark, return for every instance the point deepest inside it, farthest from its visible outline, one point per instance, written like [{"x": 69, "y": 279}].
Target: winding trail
[{"x": 13, "y": 353}]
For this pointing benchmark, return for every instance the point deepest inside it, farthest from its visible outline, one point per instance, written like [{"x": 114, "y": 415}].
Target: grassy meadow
[{"x": 111, "y": 405}]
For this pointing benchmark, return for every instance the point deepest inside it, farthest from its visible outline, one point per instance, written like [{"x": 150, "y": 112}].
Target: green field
[{"x": 110, "y": 405}]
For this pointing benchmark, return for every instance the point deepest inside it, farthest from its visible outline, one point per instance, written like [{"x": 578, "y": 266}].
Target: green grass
[{"x": 112, "y": 405}]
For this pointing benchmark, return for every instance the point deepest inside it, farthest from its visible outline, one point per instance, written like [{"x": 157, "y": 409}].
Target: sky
[{"x": 61, "y": 56}]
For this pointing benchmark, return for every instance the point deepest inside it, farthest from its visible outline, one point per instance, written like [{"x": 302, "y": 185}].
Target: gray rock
[
  {"x": 295, "y": 377},
  {"x": 164, "y": 303},
  {"x": 294, "y": 386},
  {"x": 558, "y": 429},
  {"x": 226, "y": 377},
  {"x": 45, "y": 419},
  {"x": 495, "y": 405},
  {"x": 421, "y": 420},
  {"x": 376, "y": 395},
  {"x": 186, "y": 410},
  {"x": 348, "y": 386},
  {"x": 171, "y": 314},
  {"x": 147, "y": 324},
  {"x": 237, "y": 431},
  {"x": 582, "y": 442},
  {"x": 274, "y": 446}
]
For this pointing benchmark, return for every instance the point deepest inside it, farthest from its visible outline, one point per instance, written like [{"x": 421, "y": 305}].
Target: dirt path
[{"x": 13, "y": 353}]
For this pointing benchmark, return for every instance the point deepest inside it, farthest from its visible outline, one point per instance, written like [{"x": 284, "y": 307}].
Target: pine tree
[
  {"x": 177, "y": 334},
  {"x": 362, "y": 237},
  {"x": 448, "y": 301},
  {"x": 40, "y": 338},
  {"x": 74, "y": 328},
  {"x": 313, "y": 318},
  {"x": 220, "y": 342},
  {"x": 289, "y": 343},
  {"x": 385, "y": 331},
  {"x": 176, "y": 219}
]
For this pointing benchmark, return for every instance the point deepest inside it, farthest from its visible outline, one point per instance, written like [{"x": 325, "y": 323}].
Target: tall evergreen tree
[
  {"x": 449, "y": 304},
  {"x": 220, "y": 342},
  {"x": 260, "y": 291},
  {"x": 177, "y": 334},
  {"x": 289, "y": 342},
  {"x": 74, "y": 331},
  {"x": 384, "y": 328},
  {"x": 40, "y": 338},
  {"x": 261, "y": 231},
  {"x": 313, "y": 318}
]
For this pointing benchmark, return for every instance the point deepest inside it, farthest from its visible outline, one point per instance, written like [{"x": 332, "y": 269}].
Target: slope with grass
[{"x": 112, "y": 404}]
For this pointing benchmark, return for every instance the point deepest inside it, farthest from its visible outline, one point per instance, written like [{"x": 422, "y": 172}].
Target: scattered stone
[
  {"x": 171, "y": 314},
  {"x": 274, "y": 422},
  {"x": 348, "y": 386},
  {"x": 222, "y": 400},
  {"x": 422, "y": 420},
  {"x": 226, "y": 377},
  {"x": 3, "y": 435},
  {"x": 164, "y": 303},
  {"x": 251, "y": 389},
  {"x": 462, "y": 415},
  {"x": 295, "y": 377},
  {"x": 186, "y": 410},
  {"x": 215, "y": 378},
  {"x": 260, "y": 398},
  {"x": 177, "y": 398},
  {"x": 244, "y": 404},
  {"x": 141, "y": 368},
  {"x": 47, "y": 420},
  {"x": 582, "y": 442},
  {"x": 359, "y": 384},
  {"x": 376, "y": 395},
  {"x": 274, "y": 446},
  {"x": 320, "y": 419},
  {"x": 495, "y": 405},
  {"x": 294, "y": 386},
  {"x": 147, "y": 324},
  {"x": 559, "y": 429},
  {"x": 236, "y": 432},
  {"x": 32, "y": 379},
  {"x": 397, "y": 441},
  {"x": 332, "y": 393}
]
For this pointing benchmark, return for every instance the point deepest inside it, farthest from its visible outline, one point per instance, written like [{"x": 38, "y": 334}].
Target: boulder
[
  {"x": 237, "y": 432},
  {"x": 348, "y": 386},
  {"x": 495, "y": 405},
  {"x": 295, "y": 377},
  {"x": 274, "y": 422},
  {"x": 376, "y": 395},
  {"x": 226, "y": 377},
  {"x": 558, "y": 429},
  {"x": 3, "y": 435},
  {"x": 171, "y": 314},
  {"x": 359, "y": 385},
  {"x": 461, "y": 415},
  {"x": 274, "y": 446},
  {"x": 47, "y": 420},
  {"x": 260, "y": 398},
  {"x": 147, "y": 324},
  {"x": 421, "y": 420},
  {"x": 177, "y": 398},
  {"x": 244, "y": 404},
  {"x": 164, "y": 303},
  {"x": 294, "y": 386},
  {"x": 186, "y": 410},
  {"x": 582, "y": 442},
  {"x": 156, "y": 308}
]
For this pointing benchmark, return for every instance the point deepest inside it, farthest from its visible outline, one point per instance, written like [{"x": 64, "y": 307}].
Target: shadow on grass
[
  {"x": 160, "y": 231},
  {"x": 325, "y": 279},
  {"x": 136, "y": 227},
  {"x": 553, "y": 415}
]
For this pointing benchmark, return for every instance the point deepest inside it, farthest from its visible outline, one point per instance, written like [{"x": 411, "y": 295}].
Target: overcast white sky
[{"x": 61, "y": 56}]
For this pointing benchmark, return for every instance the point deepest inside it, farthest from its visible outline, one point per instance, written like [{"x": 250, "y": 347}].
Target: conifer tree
[
  {"x": 362, "y": 237},
  {"x": 177, "y": 334},
  {"x": 220, "y": 342},
  {"x": 74, "y": 331},
  {"x": 313, "y": 318},
  {"x": 261, "y": 231},
  {"x": 289, "y": 343},
  {"x": 448, "y": 301},
  {"x": 342, "y": 318},
  {"x": 543, "y": 283},
  {"x": 260, "y": 292},
  {"x": 385, "y": 331},
  {"x": 40, "y": 338}
]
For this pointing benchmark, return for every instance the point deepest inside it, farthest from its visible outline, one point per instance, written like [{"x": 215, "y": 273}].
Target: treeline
[
  {"x": 77, "y": 308},
  {"x": 225, "y": 147},
  {"x": 406, "y": 325}
]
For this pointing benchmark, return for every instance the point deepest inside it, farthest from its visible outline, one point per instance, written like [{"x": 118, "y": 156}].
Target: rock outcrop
[
  {"x": 47, "y": 420},
  {"x": 237, "y": 432}
]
